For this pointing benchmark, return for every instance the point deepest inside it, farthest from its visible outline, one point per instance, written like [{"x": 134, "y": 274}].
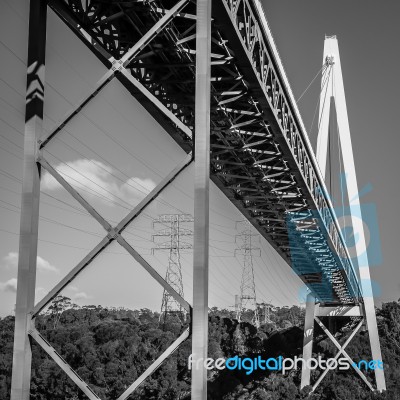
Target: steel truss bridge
[{"x": 213, "y": 79}]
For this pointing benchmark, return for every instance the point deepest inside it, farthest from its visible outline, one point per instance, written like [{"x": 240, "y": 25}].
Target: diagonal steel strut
[
  {"x": 117, "y": 66},
  {"x": 342, "y": 351},
  {"x": 113, "y": 233}
]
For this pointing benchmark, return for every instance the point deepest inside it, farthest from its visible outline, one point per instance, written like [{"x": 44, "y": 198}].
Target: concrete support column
[
  {"x": 201, "y": 200},
  {"x": 21, "y": 373}
]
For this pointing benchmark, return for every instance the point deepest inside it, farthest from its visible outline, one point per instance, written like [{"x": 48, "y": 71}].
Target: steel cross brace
[
  {"x": 313, "y": 313},
  {"x": 342, "y": 350},
  {"x": 113, "y": 233},
  {"x": 120, "y": 66}
]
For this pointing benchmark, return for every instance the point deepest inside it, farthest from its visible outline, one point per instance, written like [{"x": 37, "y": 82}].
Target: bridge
[{"x": 212, "y": 78}]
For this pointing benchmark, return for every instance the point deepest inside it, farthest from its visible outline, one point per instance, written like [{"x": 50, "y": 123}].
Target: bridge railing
[{"x": 259, "y": 45}]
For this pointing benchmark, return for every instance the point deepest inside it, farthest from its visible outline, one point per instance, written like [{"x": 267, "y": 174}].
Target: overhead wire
[
  {"x": 323, "y": 79},
  {"x": 216, "y": 248},
  {"x": 98, "y": 194},
  {"x": 324, "y": 66}
]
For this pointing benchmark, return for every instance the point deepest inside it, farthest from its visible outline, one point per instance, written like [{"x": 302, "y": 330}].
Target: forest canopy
[{"x": 109, "y": 348}]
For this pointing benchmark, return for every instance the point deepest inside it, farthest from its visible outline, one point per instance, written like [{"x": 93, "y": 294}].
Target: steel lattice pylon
[
  {"x": 169, "y": 306},
  {"x": 248, "y": 297}
]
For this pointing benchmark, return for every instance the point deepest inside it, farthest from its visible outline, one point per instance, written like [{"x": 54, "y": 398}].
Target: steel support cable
[
  {"x": 324, "y": 82},
  {"x": 332, "y": 143},
  {"x": 342, "y": 178},
  {"x": 315, "y": 77},
  {"x": 331, "y": 194},
  {"x": 341, "y": 168},
  {"x": 325, "y": 96}
]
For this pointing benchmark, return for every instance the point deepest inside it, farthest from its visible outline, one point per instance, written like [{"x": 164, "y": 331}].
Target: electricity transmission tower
[
  {"x": 267, "y": 312},
  {"x": 174, "y": 232},
  {"x": 247, "y": 298}
]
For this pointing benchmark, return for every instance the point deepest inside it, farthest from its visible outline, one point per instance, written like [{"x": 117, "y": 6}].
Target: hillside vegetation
[{"x": 110, "y": 348}]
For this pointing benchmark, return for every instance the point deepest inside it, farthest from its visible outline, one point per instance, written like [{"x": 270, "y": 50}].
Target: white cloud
[
  {"x": 81, "y": 296},
  {"x": 9, "y": 286},
  {"x": 44, "y": 265},
  {"x": 95, "y": 179},
  {"x": 11, "y": 261},
  {"x": 72, "y": 288}
]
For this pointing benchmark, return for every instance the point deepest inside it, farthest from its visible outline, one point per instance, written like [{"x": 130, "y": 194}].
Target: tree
[{"x": 58, "y": 305}]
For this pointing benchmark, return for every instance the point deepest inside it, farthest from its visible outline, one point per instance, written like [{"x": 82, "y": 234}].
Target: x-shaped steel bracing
[
  {"x": 342, "y": 350},
  {"x": 313, "y": 313},
  {"x": 114, "y": 233}
]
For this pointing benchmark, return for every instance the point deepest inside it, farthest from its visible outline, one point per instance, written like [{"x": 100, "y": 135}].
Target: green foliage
[{"x": 110, "y": 348}]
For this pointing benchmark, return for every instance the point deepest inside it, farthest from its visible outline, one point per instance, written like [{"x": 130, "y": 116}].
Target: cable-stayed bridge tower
[
  {"x": 246, "y": 249},
  {"x": 363, "y": 312},
  {"x": 174, "y": 231}
]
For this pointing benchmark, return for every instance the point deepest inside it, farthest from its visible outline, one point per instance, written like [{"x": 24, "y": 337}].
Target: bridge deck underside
[{"x": 258, "y": 156}]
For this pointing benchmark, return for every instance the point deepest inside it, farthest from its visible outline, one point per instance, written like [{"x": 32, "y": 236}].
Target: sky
[
  {"x": 369, "y": 53},
  {"x": 114, "y": 153}
]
